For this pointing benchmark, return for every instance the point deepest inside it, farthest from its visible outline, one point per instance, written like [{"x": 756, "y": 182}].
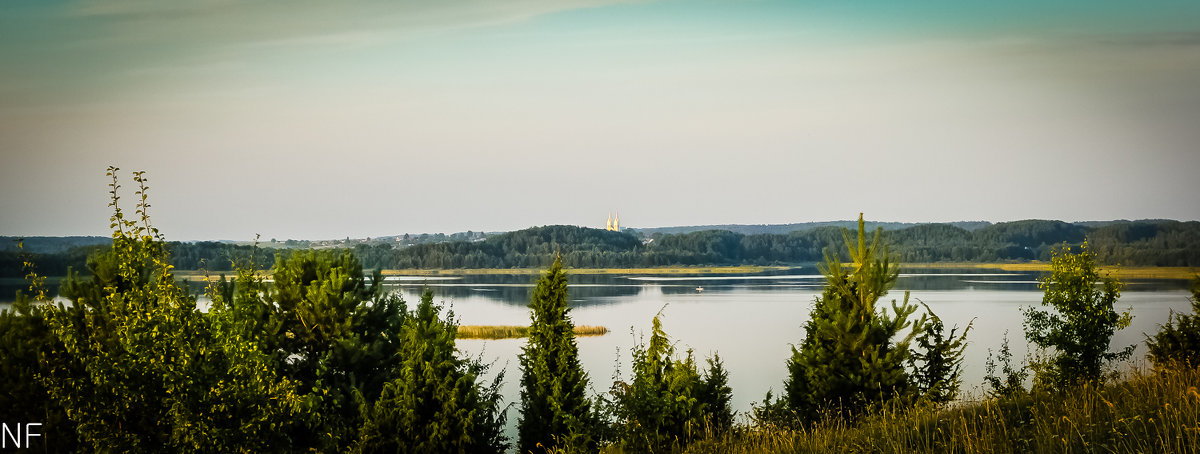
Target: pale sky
[{"x": 314, "y": 119}]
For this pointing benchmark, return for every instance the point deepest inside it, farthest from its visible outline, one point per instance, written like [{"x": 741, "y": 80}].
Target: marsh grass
[
  {"x": 1148, "y": 411},
  {"x": 665, "y": 270},
  {"x": 1123, "y": 272},
  {"x": 514, "y": 331}
]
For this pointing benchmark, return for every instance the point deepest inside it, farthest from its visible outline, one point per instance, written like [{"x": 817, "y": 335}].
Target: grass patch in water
[{"x": 516, "y": 331}]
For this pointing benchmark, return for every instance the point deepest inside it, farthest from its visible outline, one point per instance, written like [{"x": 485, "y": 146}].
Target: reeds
[
  {"x": 512, "y": 331},
  {"x": 662, "y": 270}
]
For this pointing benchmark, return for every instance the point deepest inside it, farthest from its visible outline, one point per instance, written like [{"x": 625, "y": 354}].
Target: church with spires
[{"x": 614, "y": 223}]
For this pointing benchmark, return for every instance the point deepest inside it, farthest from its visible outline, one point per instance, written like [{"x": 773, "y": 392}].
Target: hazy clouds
[{"x": 319, "y": 120}]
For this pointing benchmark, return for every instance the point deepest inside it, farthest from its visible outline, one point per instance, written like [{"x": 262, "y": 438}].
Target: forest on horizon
[{"x": 1128, "y": 243}]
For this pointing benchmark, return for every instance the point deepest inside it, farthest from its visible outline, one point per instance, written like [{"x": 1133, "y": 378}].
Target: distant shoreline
[{"x": 1132, "y": 272}]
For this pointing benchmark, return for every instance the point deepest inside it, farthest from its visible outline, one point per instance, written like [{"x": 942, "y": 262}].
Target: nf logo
[{"x": 13, "y": 433}]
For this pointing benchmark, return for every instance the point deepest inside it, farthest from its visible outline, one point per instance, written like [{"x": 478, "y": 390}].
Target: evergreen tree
[
  {"x": 668, "y": 404},
  {"x": 716, "y": 396},
  {"x": 937, "y": 362},
  {"x": 326, "y": 327},
  {"x": 1082, "y": 322},
  {"x": 555, "y": 409},
  {"x": 435, "y": 403},
  {"x": 1178, "y": 341},
  {"x": 848, "y": 359}
]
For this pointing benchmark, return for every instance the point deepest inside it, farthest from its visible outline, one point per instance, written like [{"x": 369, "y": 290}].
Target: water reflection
[{"x": 752, "y": 321}]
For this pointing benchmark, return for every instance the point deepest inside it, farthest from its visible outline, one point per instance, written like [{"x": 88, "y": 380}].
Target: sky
[{"x": 317, "y": 120}]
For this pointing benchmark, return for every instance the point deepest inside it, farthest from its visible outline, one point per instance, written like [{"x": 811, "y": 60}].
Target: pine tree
[
  {"x": 848, "y": 359},
  {"x": 329, "y": 328},
  {"x": 436, "y": 403},
  {"x": 555, "y": 409},
  {"x": 716, "y": 396},
  {"x": 937, "y": 362},
  {"x": 1178, "y": 341},
  {"x": 668, "y": 404}
]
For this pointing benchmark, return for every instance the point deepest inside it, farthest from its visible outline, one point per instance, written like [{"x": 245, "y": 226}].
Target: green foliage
[
  {"x": 1148, "y": 243},
  {"x": 1154, "y": 412},
  {"x": 214, "y": 256},
  {"x": 1141, "y": 243},
  {"x": 71, "y": 252},
  {"x": 25, "y": 341},
  {"x": 554, "y": 407},
  {"x": 937, "y": 360},
  {"x": 1010, "y": 382},
  {"x": 853, "y": 354},
  {"x": 325, "y": 327},
  {"x": 319, "y": 360},
  {"x": 1081, "y": 323},
  {"x": 716, "y": 396},
  {"x": 141, "y": 369},
  {"x": 669, "y": 404},
  {"x": 435, "y": 403},
  {"x": 1178, "y": 341},
  {"x": 1162, "y": 243}
]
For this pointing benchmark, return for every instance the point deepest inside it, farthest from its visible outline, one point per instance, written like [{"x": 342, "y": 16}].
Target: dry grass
[
  {"x": 1150, "y": 411},
  {"x": 512, "y": 331},
  {"x": 1131, "y": 272},
  {"x": 533, "y": 271}
]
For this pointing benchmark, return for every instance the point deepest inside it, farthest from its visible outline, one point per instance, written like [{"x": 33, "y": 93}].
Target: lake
[{"x": 752, "y": 320}]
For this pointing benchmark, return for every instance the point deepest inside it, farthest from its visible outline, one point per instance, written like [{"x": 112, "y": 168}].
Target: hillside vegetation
[
  {"x": 1129, "y": 243},
  {"x": 323, "y": 359},
  {"x": 1150, "y": 243}
]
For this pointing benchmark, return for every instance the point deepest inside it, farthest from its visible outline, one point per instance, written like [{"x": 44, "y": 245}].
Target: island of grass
[
  {"x": 673, "y": 270},
  {"x": 514, "y": 331}
]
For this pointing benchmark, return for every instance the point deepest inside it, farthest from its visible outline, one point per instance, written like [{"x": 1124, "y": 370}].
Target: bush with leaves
[
  {"x": 1178, "y": 341},
  {"x": 668, "y": 404},
  {"x": 1081, "y": 323},
  {"x": 555, "y": 410},
  {"x": 141, "y": 369},
  {"x": 1009, "y": 382}
]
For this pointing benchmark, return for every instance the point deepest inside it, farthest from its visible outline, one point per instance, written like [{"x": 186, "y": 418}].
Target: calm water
[{"x": 752, "y": 321}]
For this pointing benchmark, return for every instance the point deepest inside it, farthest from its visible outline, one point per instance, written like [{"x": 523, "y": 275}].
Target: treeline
[
  {"x": 207, "y": 255},
  {"x": 1130, "y": 243},
  {"x": 529, "y": 248},
  {"x": 323, "y": 360},
  {"x": 757, "y": 229},
  {"x": 1144, "y": 243}
]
